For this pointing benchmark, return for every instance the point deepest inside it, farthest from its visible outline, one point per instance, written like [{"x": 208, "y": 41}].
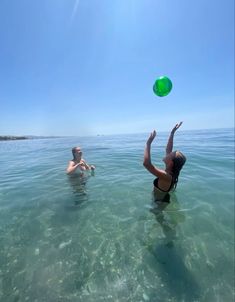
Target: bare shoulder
[
  {"x": 156, "y": 171},
  {"x": 71, "y": 163},
  {"x": 162, "y": 174}
]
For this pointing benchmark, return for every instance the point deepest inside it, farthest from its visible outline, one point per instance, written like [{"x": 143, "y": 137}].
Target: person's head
[
  {"x": 77, "y": 152},
  {"x": 175, "y": 161}
]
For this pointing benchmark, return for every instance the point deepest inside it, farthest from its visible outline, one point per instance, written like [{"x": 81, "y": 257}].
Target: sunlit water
[{"x": 95, "y": 238}]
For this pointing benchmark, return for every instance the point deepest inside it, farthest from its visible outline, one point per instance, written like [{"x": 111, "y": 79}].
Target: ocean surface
[{"x": 99, "y": 238}]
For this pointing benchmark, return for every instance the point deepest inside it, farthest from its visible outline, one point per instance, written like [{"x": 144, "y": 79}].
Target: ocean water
[{"x": 96, "y": 238}]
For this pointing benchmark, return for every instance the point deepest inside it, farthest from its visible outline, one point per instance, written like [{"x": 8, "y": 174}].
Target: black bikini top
[{"x": 155, "y": 183}]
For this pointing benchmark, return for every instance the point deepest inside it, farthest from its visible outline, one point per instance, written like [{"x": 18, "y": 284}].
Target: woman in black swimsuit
[{"x": 174, "y": 160}]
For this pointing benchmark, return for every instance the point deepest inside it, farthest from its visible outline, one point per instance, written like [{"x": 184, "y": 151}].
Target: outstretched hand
[
  {"x": 176, "y": 127},
  {"x": 151, "y": 137}
]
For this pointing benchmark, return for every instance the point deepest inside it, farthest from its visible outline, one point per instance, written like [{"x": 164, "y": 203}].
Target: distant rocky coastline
[{"x": 11, "y": 138}]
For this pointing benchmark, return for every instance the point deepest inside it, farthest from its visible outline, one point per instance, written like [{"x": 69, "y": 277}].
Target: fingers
[
  {"x": 178, "y": 125},
  {"x": 151, "y": 137},
  {"x": 153, "y": 134}
]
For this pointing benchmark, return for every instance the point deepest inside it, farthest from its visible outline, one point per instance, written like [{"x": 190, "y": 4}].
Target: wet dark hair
[
  {"x": 74, "y": 151},
  {"x": 178, "y": 162}
]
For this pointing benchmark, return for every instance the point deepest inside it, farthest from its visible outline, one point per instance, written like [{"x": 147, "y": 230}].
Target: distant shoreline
[
  {"x": 22, "y": 137},
  {"x": 11, "y": 138}
]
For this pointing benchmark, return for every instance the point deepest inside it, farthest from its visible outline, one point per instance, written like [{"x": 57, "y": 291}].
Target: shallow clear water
[{"x": 95, "y": 239}]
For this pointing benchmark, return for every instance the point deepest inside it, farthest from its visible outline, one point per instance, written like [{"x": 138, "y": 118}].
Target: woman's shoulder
[{"x": 72, "y": 162}]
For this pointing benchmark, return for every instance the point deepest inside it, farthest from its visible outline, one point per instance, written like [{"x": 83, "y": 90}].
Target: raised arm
[
  {"x": 147, "y": 158},
  {"x": 169, "y": 146},
  {"x": 147, "y": 151}
]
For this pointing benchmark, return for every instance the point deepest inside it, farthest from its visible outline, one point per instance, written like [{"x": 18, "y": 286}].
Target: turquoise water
[{"x": 95, "y": 238}]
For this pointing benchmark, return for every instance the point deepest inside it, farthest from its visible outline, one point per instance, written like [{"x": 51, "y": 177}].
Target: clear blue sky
[{"x": 87, "y": 67}]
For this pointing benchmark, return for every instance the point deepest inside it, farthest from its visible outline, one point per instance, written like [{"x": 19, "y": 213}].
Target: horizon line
[{"x": 103, "y": 134}]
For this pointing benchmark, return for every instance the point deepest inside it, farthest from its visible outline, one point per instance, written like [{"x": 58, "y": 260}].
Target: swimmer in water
[
  {"x": 78, "y": 163},
  {"x": 166, "y": 180}
]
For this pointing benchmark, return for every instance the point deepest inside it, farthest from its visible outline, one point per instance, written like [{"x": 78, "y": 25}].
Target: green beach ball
[{"x": 162, "y": 86}]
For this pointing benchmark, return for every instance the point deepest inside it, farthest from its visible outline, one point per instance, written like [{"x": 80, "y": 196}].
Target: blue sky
[{"x": 87, "y": 67}]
